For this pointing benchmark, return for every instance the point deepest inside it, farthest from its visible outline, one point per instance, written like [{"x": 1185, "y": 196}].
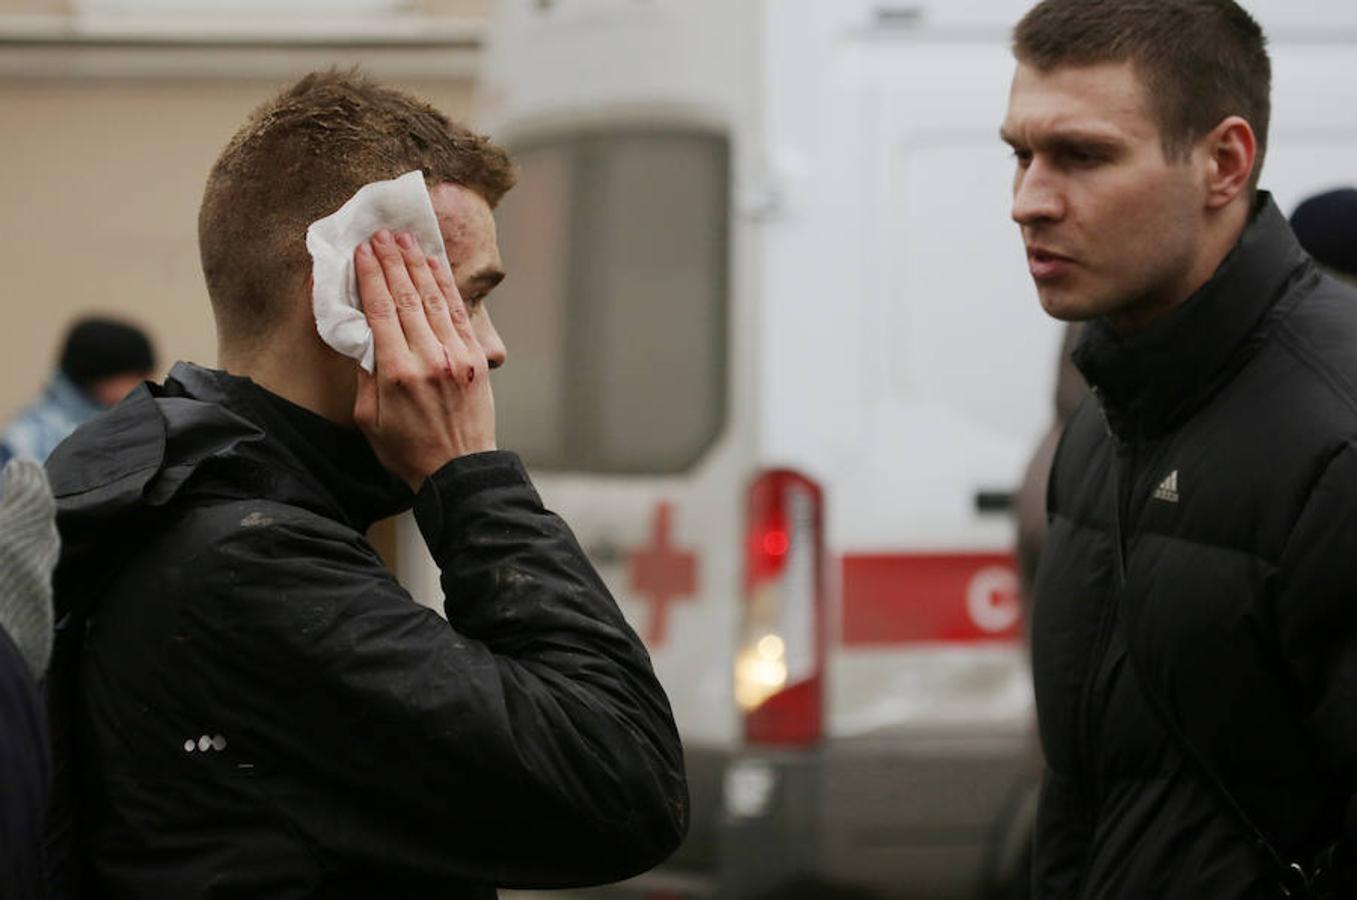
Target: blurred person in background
[
  {"x": 28, "y": 551},
  {"x": 246, "y": 701},
  {"x": 101, "y": 361},
  {"x": 1326, "y": 226},
  {"x": 1194, "y": 635},
  {"x": 1070, "y": 390}
]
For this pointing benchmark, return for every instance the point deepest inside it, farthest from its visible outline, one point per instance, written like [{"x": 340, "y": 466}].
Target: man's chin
[{"x": 1065, "y": 306}]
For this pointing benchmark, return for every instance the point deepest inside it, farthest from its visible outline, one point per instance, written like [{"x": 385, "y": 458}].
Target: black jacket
[
  {"x": 257, "y": 709},
  {"x": 1229, "y": 428}
]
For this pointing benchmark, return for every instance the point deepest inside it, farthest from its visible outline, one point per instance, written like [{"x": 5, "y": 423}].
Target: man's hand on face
[{"x": 429, "y": 400}]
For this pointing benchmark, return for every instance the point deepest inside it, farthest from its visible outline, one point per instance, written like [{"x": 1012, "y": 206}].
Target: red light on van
[
  {"x": 767, "y": 540},
  {"x": 780, "y": 659},
  {"x": 775, "y": 543}
]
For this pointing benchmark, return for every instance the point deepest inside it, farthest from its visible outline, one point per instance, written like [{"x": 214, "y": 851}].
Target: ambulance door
[
  {"x": 930, "y": 700},
  {"x": 930, "y": 631}
]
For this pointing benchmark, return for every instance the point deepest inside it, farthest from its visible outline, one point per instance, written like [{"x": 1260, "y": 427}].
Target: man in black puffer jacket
[{"x": 1195, "y": 623}]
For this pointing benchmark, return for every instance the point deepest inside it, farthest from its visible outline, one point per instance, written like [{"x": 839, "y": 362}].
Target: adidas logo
[{"x": 1168, "y": 488}]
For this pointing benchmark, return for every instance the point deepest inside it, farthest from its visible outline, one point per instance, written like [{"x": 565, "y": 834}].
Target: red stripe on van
[{"x": 929, "y": 598}]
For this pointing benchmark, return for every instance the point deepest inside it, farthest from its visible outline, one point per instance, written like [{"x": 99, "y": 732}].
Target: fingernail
[
  {"x": 405, "y": 240},
  {"x": 382, "y": 236},
  {"x": 365, "y": 249},
  {"x": 433, "y": 262}
]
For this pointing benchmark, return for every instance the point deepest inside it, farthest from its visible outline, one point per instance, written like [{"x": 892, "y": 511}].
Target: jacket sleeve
[
  {"x": 524, "y": 742},
  {"x": 1316, "y": 610}
]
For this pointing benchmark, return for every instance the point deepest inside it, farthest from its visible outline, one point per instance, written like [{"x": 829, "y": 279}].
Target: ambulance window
[{"x": 614, "y": 312}]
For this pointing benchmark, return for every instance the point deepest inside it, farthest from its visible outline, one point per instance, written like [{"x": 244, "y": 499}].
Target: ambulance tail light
[{"x": 779, "y": 662}]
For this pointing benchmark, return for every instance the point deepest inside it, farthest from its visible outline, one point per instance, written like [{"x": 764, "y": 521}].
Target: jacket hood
[
  {"x": 141, "y": 452},
  {"x": 208, "y": 434}
]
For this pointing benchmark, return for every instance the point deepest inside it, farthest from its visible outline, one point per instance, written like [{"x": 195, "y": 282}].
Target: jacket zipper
[
  {"x": 1120, "y": 496},
  {"x": 1294, "y": 880}
]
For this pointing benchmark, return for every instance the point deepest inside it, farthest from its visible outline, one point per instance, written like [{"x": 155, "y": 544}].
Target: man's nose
[
  {"x": 1037, "y": 195},
  {"x": 495, "y": 352}
]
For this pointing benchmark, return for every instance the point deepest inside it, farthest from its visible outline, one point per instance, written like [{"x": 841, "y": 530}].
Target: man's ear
[{"x": 1231, "y": 150}]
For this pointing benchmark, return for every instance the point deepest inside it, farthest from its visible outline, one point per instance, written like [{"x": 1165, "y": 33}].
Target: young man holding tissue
[{"x": 249, "y": 705}]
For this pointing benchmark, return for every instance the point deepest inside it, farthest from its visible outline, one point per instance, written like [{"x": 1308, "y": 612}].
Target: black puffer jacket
[
  {"x": 260, "y": 710},
  {"x": 1230, "y": 432}
]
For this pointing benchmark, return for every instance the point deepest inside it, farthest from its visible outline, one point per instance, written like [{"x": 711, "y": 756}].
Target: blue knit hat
[{"x": 1326, "y": 225}]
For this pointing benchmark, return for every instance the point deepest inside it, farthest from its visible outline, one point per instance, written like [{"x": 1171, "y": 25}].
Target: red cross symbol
[{"x": 661, "y": 574}]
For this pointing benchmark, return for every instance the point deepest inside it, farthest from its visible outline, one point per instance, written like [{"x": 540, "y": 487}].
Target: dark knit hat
[
  {"x": 98, "y": 348},
  {"x": 1326, "y": 225}
]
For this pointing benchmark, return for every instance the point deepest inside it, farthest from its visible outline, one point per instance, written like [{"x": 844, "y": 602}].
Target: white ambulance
[{"x": 774, "y": 354}]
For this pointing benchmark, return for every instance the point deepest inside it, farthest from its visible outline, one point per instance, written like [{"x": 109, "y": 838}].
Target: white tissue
[{"x": 401, "y": 204}]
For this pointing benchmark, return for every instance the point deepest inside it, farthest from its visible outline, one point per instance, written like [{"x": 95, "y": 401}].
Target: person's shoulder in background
[
  {"x": 60, "y": 409},
  {"x": 28, "y": 552}
]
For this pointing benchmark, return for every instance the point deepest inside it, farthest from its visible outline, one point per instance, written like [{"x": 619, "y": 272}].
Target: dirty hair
[
  {"x": 298, "y": 158},
  {"x": 1200, "y": 61}
]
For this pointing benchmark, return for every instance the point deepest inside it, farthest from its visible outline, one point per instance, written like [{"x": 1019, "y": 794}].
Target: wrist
[
  {"x": 444, "y": 501},
  {"x": 416, "y": 477}
]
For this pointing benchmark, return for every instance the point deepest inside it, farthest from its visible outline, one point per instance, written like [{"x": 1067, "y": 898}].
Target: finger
[
  {"x": 389, "y": 345},
  {"x": 460, "y": 318},
  {"x": 409, "y": 305},
  {"x": 421, "y": 269}
]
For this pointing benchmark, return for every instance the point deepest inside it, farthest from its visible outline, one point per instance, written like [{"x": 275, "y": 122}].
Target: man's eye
[
  {"x": 1023, "y": 157},
  {"x": 1083, "y": 157}
]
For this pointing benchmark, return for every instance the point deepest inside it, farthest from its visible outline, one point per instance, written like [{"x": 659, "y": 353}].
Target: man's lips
[{"x": 1046, "y": 264}]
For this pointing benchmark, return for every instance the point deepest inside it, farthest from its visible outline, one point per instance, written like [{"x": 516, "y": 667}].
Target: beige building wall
[
  {"x": 105, "y": 153},
  {"x": 467, "y": 8}
]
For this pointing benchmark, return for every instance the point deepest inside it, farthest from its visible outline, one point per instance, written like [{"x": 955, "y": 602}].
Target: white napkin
[{"x": 401, "y": 204}]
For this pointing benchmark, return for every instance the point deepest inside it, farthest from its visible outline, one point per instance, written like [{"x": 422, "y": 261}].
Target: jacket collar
[
  {"x": 216, "y": 434},
  {"x": 205, "y": 434},
  {"x": 336, "y": 459},
  {"x": 1152, "y": 380}
]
